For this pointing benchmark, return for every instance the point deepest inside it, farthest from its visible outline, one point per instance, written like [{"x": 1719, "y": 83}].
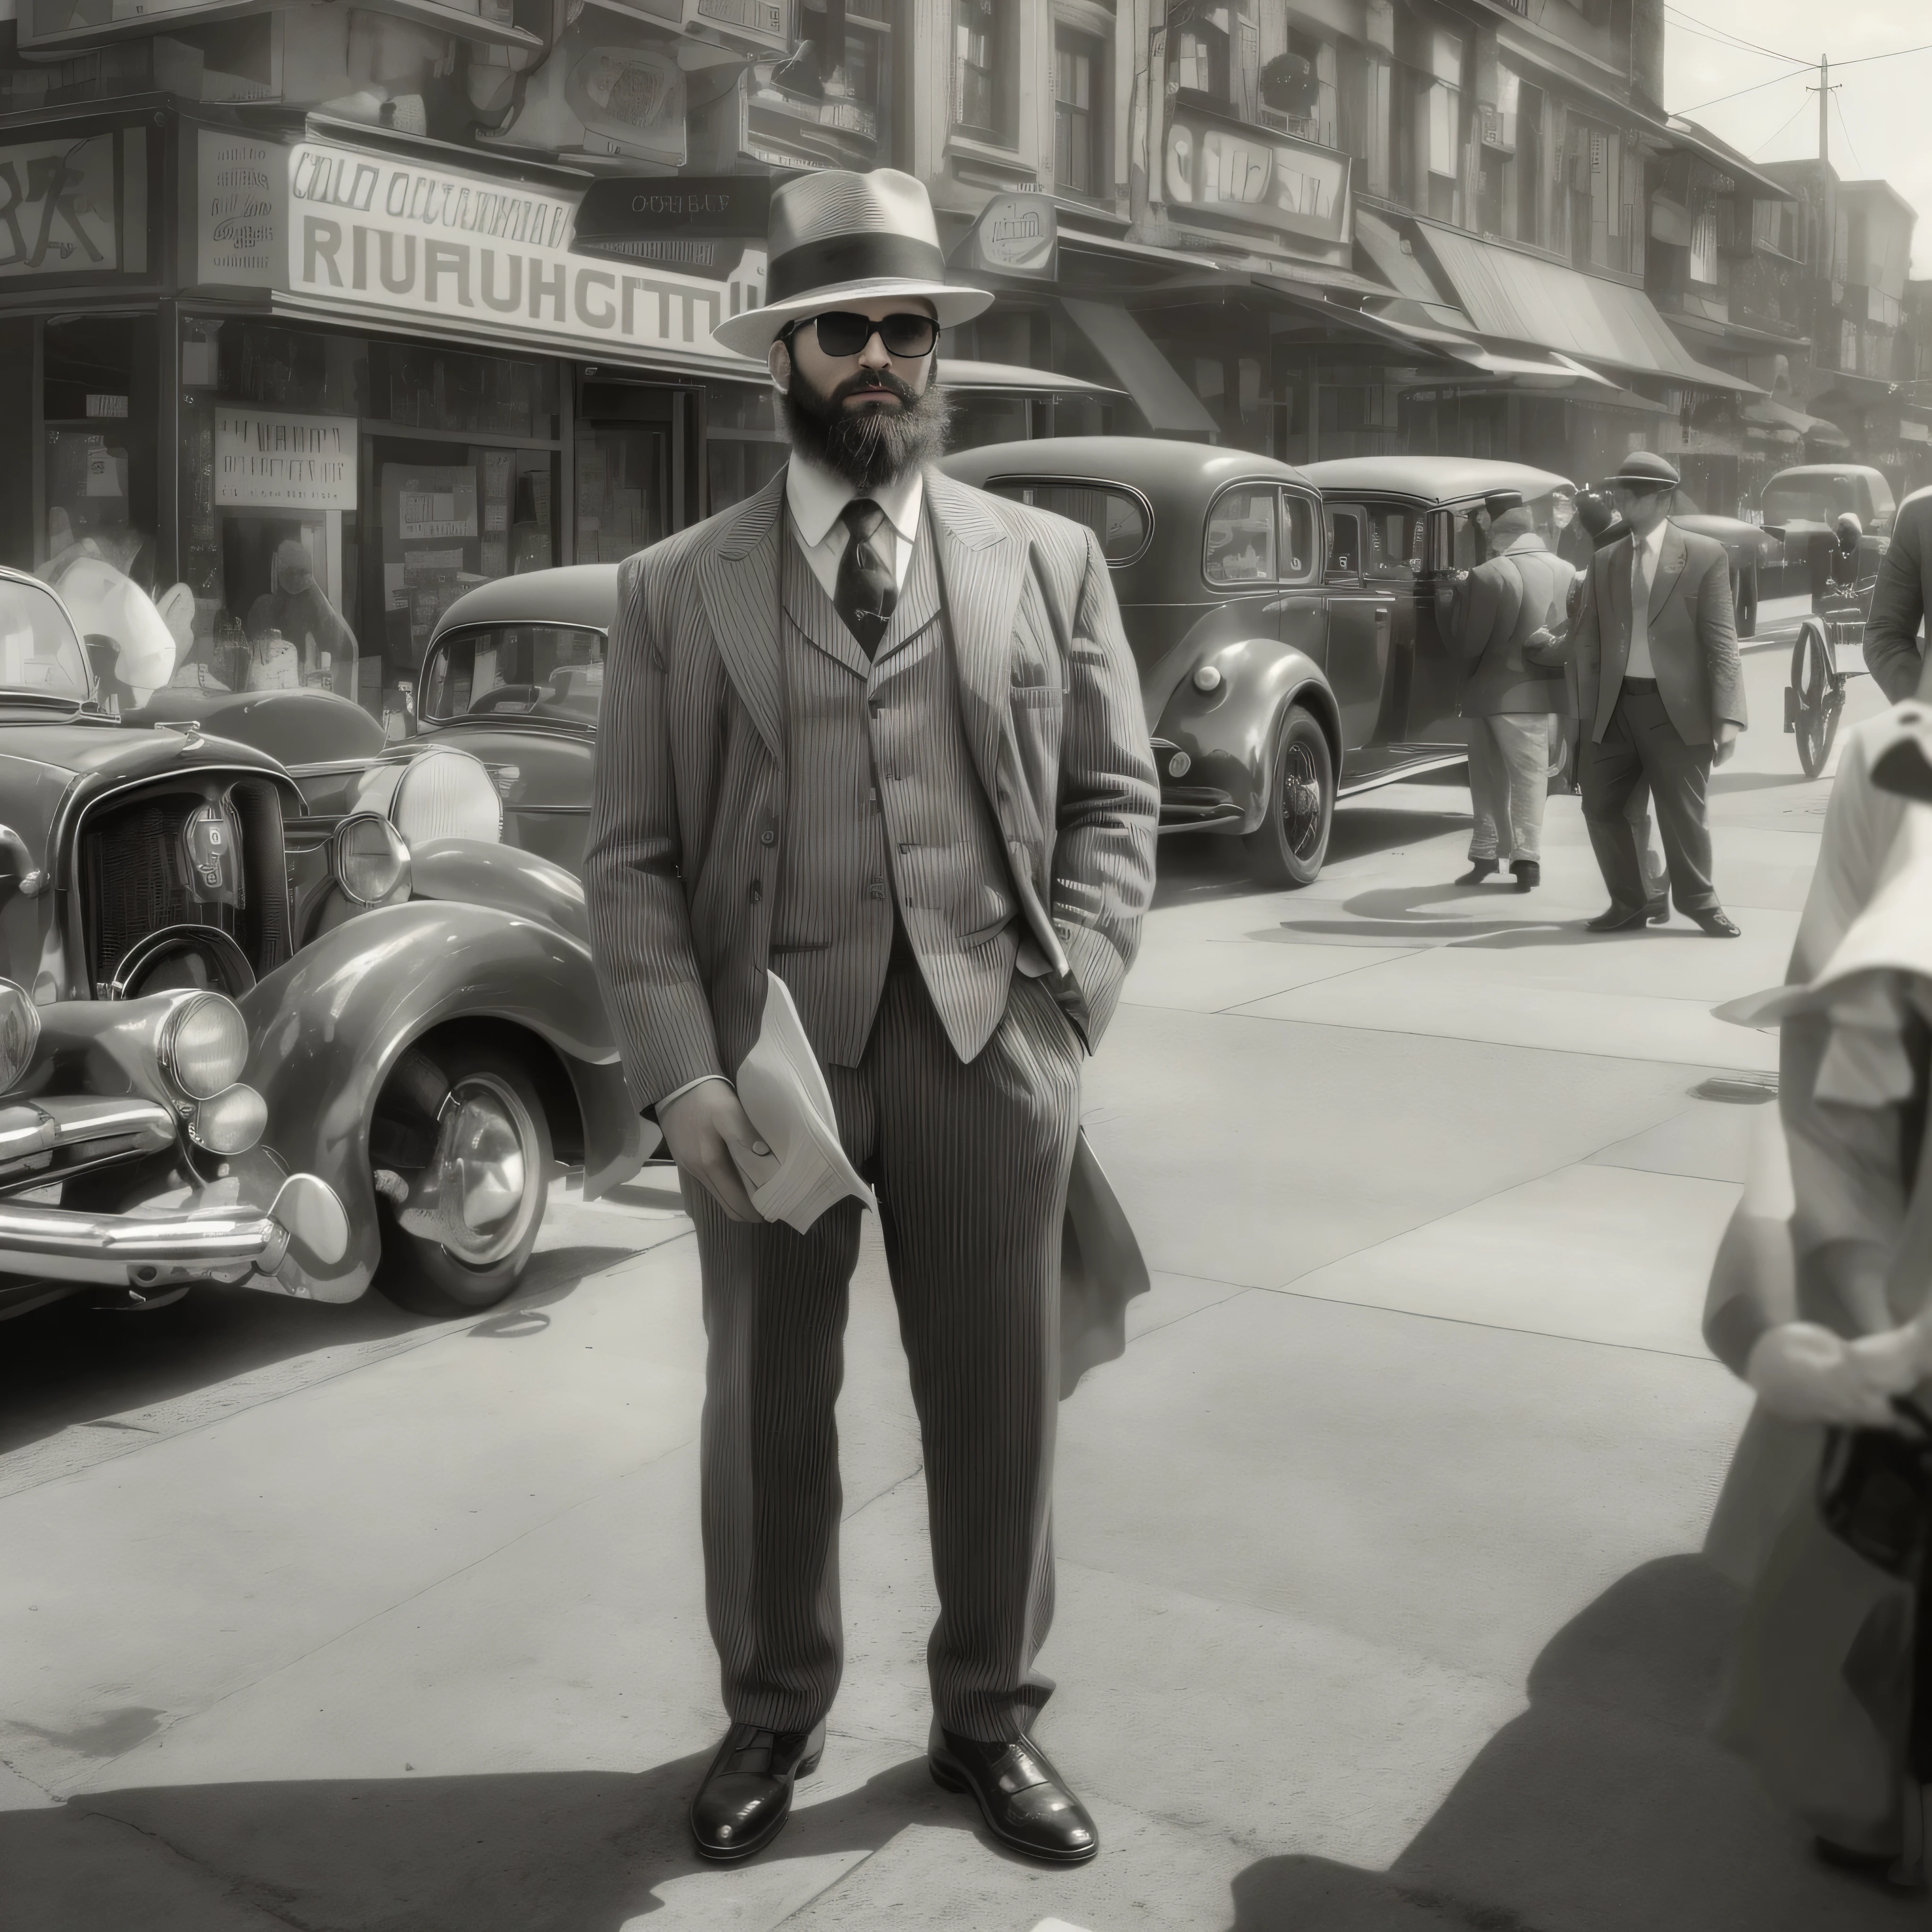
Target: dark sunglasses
[{"x": 844, "y": 332}]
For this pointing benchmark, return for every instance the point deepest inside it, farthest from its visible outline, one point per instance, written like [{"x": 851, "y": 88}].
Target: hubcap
[
  {"x": 478, "y": 1197},
  {"x": 1301, "y": 801}
]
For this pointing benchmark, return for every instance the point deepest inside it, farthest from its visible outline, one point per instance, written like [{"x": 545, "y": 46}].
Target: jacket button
[{"x": 768, "y": 838}]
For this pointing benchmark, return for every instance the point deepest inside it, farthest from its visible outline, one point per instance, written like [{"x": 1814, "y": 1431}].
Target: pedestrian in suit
[
  {"x": 880, "y": 733},
  {"x": 1660, "y": 688},
  {"x": 1512, "y": 704},
  {"x": 1902, "y": 595}
]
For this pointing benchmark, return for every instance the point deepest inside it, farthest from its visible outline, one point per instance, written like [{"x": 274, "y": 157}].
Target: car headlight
[
  {"x": 231, "y": 1122},
  {"x": 204, "y": 1045},
  {"x": 372, "y": 862},
  {"x": 447, "y": 794},
  {"x": 19, "y": 1032}
]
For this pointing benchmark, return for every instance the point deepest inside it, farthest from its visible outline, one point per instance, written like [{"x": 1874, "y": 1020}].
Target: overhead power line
[
  {"x": 1691, "y": 24},
  {"x": 1845, "y": 129},
  {"x": 1803, "y": 107},
  {"x": 1809, "y": 67}
]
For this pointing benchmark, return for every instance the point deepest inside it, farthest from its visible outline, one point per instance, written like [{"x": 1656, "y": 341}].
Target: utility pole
[{"x": 1824, "y": 91}]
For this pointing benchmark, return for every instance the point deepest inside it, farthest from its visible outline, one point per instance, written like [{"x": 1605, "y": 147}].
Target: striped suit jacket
[{"x": 689, "y": 797}]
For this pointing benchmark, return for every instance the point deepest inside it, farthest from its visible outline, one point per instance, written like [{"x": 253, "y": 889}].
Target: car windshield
[
  {"x": 39, "y": 652},
  {"x": 553, "y": 673},
  {"x": 1810, "y": 499}
]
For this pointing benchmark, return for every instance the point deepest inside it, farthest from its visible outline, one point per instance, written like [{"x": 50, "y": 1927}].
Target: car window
[
  {"x": 1809, "y": 500},
  {"x": 1118, "y": 516},
  {"x": 1242, "y": 536},
  {"x": 1298, "y": 552},
  {"x": 1471, "y": 543},
  {"x": 1345, "y": 542},
  {"x": 550, "y": 672},
  {"x": 1880, "y": 491},
  {"x": 1394, "y": 545},
  {"x": 38, "y": 649}
]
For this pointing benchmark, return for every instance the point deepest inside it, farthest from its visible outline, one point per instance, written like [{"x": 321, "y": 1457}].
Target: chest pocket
[{"x": 1037, "y": 696}]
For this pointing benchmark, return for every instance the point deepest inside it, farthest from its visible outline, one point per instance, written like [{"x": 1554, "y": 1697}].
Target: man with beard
[{"x": 881, "y": 734}]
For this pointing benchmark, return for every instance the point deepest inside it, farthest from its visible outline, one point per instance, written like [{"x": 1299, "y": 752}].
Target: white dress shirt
[
  {"x": 1645, "y": 553},
  {"x": 816, "y": 498}
]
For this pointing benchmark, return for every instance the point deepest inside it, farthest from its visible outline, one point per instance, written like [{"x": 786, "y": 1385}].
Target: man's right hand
[
  {"x": 700, "y": 1127},
  {"x": 1806, "y": 1373}
]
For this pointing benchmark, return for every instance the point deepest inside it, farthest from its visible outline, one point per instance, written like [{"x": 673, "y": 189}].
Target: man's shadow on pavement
[
  {"x": 1605, "y": 1807},
  {"x": 537, "y": 1851},
  {"x": 1442, "y": 914}
]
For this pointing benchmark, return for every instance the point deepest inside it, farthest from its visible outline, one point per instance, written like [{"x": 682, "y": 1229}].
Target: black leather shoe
[
  {"x": 746, "y": 1795},
  {"x": 1716, "y": 924},
  {"x": 1024, "y": 1801},
  {"x": 1479, "y": 869},
  {"x": 1617, "y": 919},
  {"x": 1527, "y": 874}
]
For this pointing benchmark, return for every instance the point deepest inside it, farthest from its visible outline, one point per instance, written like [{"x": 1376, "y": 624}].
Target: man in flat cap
[
  {"x": 881, "y": 734},
  {"x": 1659, "y": 684}
]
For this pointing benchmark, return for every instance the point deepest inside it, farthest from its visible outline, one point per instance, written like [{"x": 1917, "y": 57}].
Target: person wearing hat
[
  {"x": 1659, "y": 685},
  {"x": 881, "y": 734}
]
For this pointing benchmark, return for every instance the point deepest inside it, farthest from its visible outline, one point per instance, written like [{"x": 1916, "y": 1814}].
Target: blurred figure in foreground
[{"x": 1894, "y": 654}]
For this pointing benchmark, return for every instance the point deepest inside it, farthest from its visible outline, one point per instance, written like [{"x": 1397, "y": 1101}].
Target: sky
[{"x": 1881, "y": 122}]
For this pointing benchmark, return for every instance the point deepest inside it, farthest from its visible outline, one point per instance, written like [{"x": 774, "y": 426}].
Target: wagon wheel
[{"x": 1816, "y": 698}]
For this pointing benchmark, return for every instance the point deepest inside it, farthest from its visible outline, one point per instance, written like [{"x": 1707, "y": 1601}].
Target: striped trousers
[{"x": 970, "y": 1163}]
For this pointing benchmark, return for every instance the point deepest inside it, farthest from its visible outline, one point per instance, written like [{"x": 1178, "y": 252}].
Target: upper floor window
[
  {"x": 982, "y": 64},
  {"x": 1079, "y": 70},
  {"x": 1445, "y": 109}
]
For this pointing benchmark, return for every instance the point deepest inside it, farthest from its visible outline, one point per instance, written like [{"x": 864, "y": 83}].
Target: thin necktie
[{"x": 867, "y": 593}]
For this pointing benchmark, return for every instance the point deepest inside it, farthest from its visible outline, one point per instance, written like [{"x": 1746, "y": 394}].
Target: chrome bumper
[
  {"x": 32, "y": 1132},
  {"x": 148, "y": 1251}
]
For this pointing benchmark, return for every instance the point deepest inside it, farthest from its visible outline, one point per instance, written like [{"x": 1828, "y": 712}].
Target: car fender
[
  {"x": 470, "y": 870},
  {"x": 1229, "y": 733},
  {"x": 328, "y": 1025}
]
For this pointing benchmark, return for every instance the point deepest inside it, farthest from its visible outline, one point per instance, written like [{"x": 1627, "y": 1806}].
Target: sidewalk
[{"x": 1376, "y": 1608}]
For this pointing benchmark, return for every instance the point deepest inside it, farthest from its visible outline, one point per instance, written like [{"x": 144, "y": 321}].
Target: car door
[{"x": 1361, "y": 630}]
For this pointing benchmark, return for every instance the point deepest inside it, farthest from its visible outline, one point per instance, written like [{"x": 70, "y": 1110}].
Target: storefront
[{"x": 387, "y": 380}]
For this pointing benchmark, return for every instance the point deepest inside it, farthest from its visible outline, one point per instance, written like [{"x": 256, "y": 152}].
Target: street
[{"x": 1378, "y": 1602}]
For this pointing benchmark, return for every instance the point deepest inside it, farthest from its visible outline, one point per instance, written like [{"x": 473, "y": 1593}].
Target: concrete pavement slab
[
  {"x": 1709, "y": 1140},
  {"x": 1209, "y": 976},
  {"x": 1613, "y": 1254}
]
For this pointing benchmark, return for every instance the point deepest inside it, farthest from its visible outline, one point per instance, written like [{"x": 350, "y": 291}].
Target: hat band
[{"x": 853, "y": 258}]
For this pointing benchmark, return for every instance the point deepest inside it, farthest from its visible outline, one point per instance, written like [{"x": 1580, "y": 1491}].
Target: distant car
[
  {"x": 1801, "y": 508},
  {"x": 1283, "y": 620}
]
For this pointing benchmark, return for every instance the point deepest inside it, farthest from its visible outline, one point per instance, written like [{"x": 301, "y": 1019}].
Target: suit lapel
[
  {"x": 738, "y": 578},
  {"x": 1617, "y": 567},
  {"x": 981, "y": 570},
  {"x": 1670, "y": 557}
]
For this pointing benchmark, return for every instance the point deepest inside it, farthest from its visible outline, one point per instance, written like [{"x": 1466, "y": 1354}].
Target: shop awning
[
  {"x": 1012, "y": 379},
  {"x": 1382, "y": 242},
  {"x": 1170, "y": 407},
  {"x": 1519, "y": 298}
]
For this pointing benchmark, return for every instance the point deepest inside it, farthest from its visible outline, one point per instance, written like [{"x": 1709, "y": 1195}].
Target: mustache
[
  {"x": 868, "y": 447},
  {"x": 874, "y": 382}
]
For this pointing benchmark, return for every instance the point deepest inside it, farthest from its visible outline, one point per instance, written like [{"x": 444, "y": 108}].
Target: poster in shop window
[
  {"x": 58, "y": 213},
  {"x": 431, "y": 547}
]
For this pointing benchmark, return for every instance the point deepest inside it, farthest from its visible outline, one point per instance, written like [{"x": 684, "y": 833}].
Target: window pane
[
  {"x": 1299, "y": 535},
  {"x": 1395, "y": 545},
  {"x": 1116, "y": 517},
  {"x": 517, "y": 670},
  {"x": 1344, "y": 543},
  {"x": 1241, "y": 536},
  {"x": 38, "y": 649}
]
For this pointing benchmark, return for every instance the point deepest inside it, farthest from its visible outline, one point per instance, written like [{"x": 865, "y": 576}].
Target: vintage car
[
  {"x": 1283, "y": 620},
  {"x": 1754, "y": 555},
  {"x": 238, "y": 1018},
  {"x": 1801, "y": 510}
]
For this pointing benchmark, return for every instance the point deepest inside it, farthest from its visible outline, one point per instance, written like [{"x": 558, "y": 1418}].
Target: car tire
[
  {"x": 1288, "y": 846},
  {"x": 507, "y": 1121},
  {"x": 1744, "y": 601}
]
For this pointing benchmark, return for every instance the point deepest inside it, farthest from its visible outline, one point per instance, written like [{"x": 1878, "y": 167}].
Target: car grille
[{"x": 134, "y": 884}]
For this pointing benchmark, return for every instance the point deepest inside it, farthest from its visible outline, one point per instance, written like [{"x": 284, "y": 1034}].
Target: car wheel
[
  {"x": 1287, "y": 846},
  {"x": 1745, "y": 600},
  {"x": 459, "y": 1225}
]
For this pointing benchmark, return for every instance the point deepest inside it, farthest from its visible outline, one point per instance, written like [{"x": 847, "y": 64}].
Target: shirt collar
[
  {"x": 1654, "y": 541},
  {"x": 815, "y": 497},
  {"x": 1528, "y": 540}
]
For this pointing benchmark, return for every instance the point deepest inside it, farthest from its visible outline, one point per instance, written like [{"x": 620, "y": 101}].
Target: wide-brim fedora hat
[{"x": 837, "y": 239}]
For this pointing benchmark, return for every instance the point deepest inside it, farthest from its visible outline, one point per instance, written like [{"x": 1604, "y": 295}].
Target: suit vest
[{"x": 885, "y": 819}]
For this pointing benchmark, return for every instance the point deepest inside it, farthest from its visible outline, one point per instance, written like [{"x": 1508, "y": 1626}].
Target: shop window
[
  {"x": 983, "y": 61},
  {"x": 1079, "y": 70},
  {"x": 1702, "y": 265},
  {"x": 745, "y": 447},
  {"x": 99, "y": 403}
]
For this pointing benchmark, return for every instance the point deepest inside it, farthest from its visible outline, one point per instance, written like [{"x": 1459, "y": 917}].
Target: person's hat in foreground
[
  {"x": 840, "y": 238},
  {"x": 1645, "y": 469}
]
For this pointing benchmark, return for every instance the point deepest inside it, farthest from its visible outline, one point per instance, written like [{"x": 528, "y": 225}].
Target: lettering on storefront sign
[
  {"x": 1256, "y": 177},
  {"x": 269, "y": 460},
  {"x": 57, "y": 205},
  {"x": 242, "y": 194},
  {"x": 1016, "y": 234},
  {"x": 371, "y": 233}
]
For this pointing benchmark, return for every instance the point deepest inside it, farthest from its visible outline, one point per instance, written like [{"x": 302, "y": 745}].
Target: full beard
[{"x": 872, "y": 446}]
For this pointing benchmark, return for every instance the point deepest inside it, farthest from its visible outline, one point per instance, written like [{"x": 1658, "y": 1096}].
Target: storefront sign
[
  {"x": 1016, "y": 235},
  {"x": 375, "y": 233},
  {"x": 269, "y": 460},
  {"x": 75, "y": 207},
  {"x": 694, "y": 226},
  {"x": 242, "y": 190},
  {"x": 1228, "y": 171}
]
